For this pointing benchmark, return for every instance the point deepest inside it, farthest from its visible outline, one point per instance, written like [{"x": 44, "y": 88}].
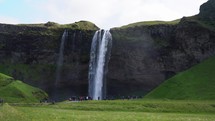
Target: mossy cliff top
[
  {"x": 148, "y": 23},
  {"x": 49, "y": 28},
  {"x": 81, "y": 25}
]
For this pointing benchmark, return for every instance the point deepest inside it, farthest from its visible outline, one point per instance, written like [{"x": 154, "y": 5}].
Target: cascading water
[
  {"x": 99, "y": 57},
  {"x": 60, "y": 58}
]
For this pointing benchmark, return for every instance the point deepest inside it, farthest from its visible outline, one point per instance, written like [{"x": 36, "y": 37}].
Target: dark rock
[
  {"x": 143, "y": 57},
  {"x": 207, "y": 10},
  {"x": 30, "y": 53}
]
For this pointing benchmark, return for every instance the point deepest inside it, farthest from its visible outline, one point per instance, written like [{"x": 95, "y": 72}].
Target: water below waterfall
[
  {"x": 60, "y": 57},
  {"x": 99, "y": 57}
]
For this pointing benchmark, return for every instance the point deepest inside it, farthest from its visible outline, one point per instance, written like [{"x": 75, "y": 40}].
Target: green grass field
[{"x": 120, "y": 110}]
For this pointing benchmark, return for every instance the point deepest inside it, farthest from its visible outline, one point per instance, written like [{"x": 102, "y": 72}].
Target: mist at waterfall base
[{"x": 99, "y": 57}]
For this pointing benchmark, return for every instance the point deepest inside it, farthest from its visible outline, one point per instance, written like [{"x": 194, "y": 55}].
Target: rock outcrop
[{"x": 207, "y": 10}]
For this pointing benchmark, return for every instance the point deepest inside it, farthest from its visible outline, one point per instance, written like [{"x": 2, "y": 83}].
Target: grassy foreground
[{"x": 122, "y": 110}]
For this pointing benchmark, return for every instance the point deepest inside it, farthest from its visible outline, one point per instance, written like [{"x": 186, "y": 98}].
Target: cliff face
[
  {"x": 30, "y": 53},
  {"x": 143, "y": 63},
  {"x": 134, "y": 65},
  {"x": 143, "y": 54}
]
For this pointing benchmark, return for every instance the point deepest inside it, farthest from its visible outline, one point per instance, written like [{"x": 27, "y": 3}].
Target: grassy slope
[
  {"x": 5, "y": 80},
  {"x": 16, "y": 91},
  {"x": 196, "y": 83}
]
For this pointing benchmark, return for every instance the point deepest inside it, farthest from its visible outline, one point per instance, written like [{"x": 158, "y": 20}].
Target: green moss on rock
[
  {"x": 150, "y": 23},
  {"x": 81, "y": 25}
]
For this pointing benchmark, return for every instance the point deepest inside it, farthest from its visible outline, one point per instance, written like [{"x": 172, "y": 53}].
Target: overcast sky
[{"x": 104, "y": 13}]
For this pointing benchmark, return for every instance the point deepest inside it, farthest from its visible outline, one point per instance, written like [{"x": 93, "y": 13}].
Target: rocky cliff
[
  {"x": 143, "y": 55},
  {"x": 30, "y": 53}
]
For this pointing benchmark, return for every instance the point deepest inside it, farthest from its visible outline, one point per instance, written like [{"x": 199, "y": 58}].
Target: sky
[{"x": 104, "y": 13}]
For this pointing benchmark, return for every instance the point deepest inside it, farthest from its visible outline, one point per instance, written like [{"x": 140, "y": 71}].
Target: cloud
[
  {"x": 109, "y": 13},
  {"x": 145, "y": 10}
]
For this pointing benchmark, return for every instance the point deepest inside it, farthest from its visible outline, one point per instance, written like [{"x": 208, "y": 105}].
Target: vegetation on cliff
[
  {"x": 16, "y": 91},
  {"x": 81, "y": 25},
  {"x": 150, "y": 23},
  {"x": 30, "y": 73}
]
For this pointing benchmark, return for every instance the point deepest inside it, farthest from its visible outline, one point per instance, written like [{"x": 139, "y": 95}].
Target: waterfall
[
  {"x": 60, "y": 58},
  {"x": 99, "y": 57}
]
